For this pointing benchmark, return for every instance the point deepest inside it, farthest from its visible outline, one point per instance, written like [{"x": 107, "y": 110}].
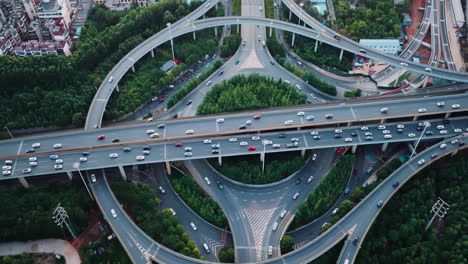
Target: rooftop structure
[
  {"x": 457, "y": 11},
  {"x": 168, "y": 65},
  {"x": 389, "y": 46}
]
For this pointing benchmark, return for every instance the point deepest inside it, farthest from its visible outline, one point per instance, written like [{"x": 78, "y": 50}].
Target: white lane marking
[
  {"x": 19, "y": 148},
  {"x": 305, "y": 139},
  {"x": 165, "y": 151},
  {"x": 101, "y": 100},
  {"x": 217, "y": 127},
  {"x": 352, "y": 112}
]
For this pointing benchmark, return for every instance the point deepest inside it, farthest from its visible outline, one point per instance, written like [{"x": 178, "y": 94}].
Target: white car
[
  {"x": 422, "y": 110},
  {"x": 194, "y": 227},
  {"x": 33, "y": 164},
  {"x": 207, "y": 141},
  {"x": 276, "y": 146},
  {"x": 300, "y": 113},
  {"x": 83, "y": 159},
  {"x": 6, "y": 172},
  {"x": 6, "y": 168},
  {"x": 457, "y": 130},
  {"x": 8, "y": 162},
  {"x": 113, "y": 155},
  {"x": 113, "y": 213},
  {"x": 270, "y": 250},
  {"x": 57, "y": 146},
  {"x": 93, "y": 177},
  {"x": 454, "y": 141},
  {"x": 411, "y": 135},
  {"x": 283, "y": 213},
  {"x": 189, "y": 132},
  {"x": 188, "y": 148},
  {"x": 36, "y": 145},
  {"x": 298, "y": 86},
  {"x": 288, "y": 123},
  {"x": 314, "y": 157},
  {"x": 421, "y": 162},
  {"x": 32, "y": 158},
  {"x": 150, "y": 131},
  {"x": 381, "y": 127},
  {"x": 440, "y": 127},
  {"x": 244, "y": 143},
  {"x": 220, "y": 120},
  {"x": 58, "y": 166},
  {"x": 248, "y": 122},
  {"x": 364, "y": 128},
  {"x": 335, "y": 211},
  {"x": 383, "y": 110},
  {"x": 58, "y": 161},
  {"x": 400, "y": 126},
  {"x": 310, "y": 118},
  {"x": 442, "y": 132},
  {"x": 146, "y": 152},
  {"x": 404, "y": 64},
  {"x": 162, "y": 189},
  {"x": 232, "y": 139},
  {"x": 255, "y": 138},
  {"x": 348, "y": 140},
  {"x": 154, "y": 135},
  {"x": 295, "y": 196},
  {"x": 386, "y": 131},
  {"x": 338, "y": 131},
  {"x": 208, "y": 83},
  {"x": 207, "y": 180},
  {"x": 440, "y": 104},
  {"x": 329, "y": 116},
  {"x": 172, "y": 211},
  {"x": 140, "y": 158},
  {"x": 294, "y": 139},
  {"x": 314, "y": 133},
  {"x": 309, "y": 180},
  {"x": 455, "y": 106},
  {"x": 387, "y": 136},
  {"x": 443, "y": 146},
  {"x": 287, "y": 81}
]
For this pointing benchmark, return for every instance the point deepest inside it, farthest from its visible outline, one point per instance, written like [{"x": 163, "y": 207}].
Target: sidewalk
[{"x": 56, "y": 246}]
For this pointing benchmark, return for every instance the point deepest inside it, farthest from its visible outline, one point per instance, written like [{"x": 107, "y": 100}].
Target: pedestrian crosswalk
[{"x": 258, "y": 220}]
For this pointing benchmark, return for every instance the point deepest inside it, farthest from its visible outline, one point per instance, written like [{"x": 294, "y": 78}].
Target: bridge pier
[
  {"x": 290, "y": 15},
  {"x": 117, "y": 88},
  {"x": 316, "y": 46},
  {"x": 341, "y": 54},
  {"x": 353, "y": 149},
  {"x": 220, "y": 161},
  {"x": 237, "y": 28},
  {"x": 294, "y": 36},
  {"x": 384, "y": 146},
  {"x": 262, "y": 156},
  {"x": 350, "y": 123},
  {"x": 23, "y": 182},
  {"x": 411, "y": 147},
  {"x": 204, "y": 16},
  {"x": 168, "y": 168},
  {"x": 70, "y": 175},
  {"x": 448, "y": 114},
  {"x": 271, "y": 31},
  {"x": 152, "y": 51},
  {"x": 303, "y": 152},
  {"x": 454, "y": 153},
  {"x": 424, "y": 83},
  {"x": 122, "y": 172},
  {"x": 382, "y": 121},
  {"x": 415, "y": 118},
  {"x": 216, "y": 31},
  {"x": 133, "y": 68},
  {"x": 194, "y": 36}
]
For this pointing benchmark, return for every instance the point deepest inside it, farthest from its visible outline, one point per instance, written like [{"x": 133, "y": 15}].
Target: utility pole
[
  {"x": 439, "y": 209},
  {"x": 60, "y": 217}
]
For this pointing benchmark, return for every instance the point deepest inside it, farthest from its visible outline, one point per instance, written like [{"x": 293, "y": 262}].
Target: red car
[
  {"x": 179, "y": 144},
  {"x": 355, "y": 171},
  {"x": 161, "y": 100},
  {"x": 257, "y": 116},
  {"x": 252, "y": 148},
  {"x": 101, "y": 137}
]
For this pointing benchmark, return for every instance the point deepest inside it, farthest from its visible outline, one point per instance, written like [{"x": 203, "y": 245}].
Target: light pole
[
  {"x": 426, "y": 125},
  {"x": 76, "y": 165},
  {"x": 300, "y": 14},
  {"x": 264, "y": 142},
  {"x": 8, "y": 130},
  {"x": 172, "y": 42}
]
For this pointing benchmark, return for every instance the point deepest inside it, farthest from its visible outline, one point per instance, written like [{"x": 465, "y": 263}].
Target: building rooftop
[
  {"x": 168, "y": 65},
  {"x": 379, "y": 42},
  {"x": 48, "y": 5}
]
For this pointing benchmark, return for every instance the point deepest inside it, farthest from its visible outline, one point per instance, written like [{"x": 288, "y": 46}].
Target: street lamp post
[
  {"x": 8, "y": 130},
  {"x": 76, "y": 165},
  {"x": 264, "y": 142},
  {"x": 426, "y": 125},
  {"x": 172, "y": 42},
  {"x": 300, "y": 14}
]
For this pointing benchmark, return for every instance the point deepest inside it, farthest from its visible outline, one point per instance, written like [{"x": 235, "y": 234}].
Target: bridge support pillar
[
  {"x": 152, "y": 52},
  {"x": 194, "y": 36},
  {"x": 168, "y": 168},
  {"x": 262, "y": 156},
  {"x": 122, "y": 172},
  {"x": 411, "y": 146},
  {"x": 424, "y": 83},
  {"x": 271, "y": 31},
  {"x": 316, "y": 46},
  {"x": 216, "y": 31},
  {"x": 384, "y": 147},
  {"x": 455, "y": 152},
  {"x": 133, "y": 68},
  {"x": 353, "y": 149},
  {"x": 415, "y": 118},
  {"x": 382, "y": 121},
  {"x": 70, "y": 175},
  {"x": 23, "y": 182},
  {"x": 292, "y": 42},
  {"x": 220, "y": 161},
  {"x": 117, "y": 88},
  {"x": 448, "y": 114},
  {"x": 237, "y": 28},
  {"x": 303, "y": 152},
  {"x": 290, "y": 15},
  {"x": 204, "y": 16},
  {"x": 350, "y": 123},
  {"x": 341, "y": 54}
]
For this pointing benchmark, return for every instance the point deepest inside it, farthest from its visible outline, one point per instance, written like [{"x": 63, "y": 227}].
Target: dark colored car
[
  {"x": 146, "y": 148},
  {"x": 347, "y": 190},
  {"x": 243, "y": 127},
  {"x": 281, "y": 135},
  {"x": 85, "y": 153},
  {"x": 30, "y": 150},
  {"x": 355, "y": 240},
  {"x": 395, "y": 184},
  {"x": 115, "y": 140},
  {"x": 298, "y": 181},
  {"x": 189, "y": 102}
]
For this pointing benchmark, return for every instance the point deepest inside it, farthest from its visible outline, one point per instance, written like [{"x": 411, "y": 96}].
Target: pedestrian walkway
[{"x": 55, "y": 246}]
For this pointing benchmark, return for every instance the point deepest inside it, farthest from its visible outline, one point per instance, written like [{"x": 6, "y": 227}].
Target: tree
[
  {"x": 168, "y": 17},
  {"x": 286, "y": 244},
  {"x": 226, "y": 255}
]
